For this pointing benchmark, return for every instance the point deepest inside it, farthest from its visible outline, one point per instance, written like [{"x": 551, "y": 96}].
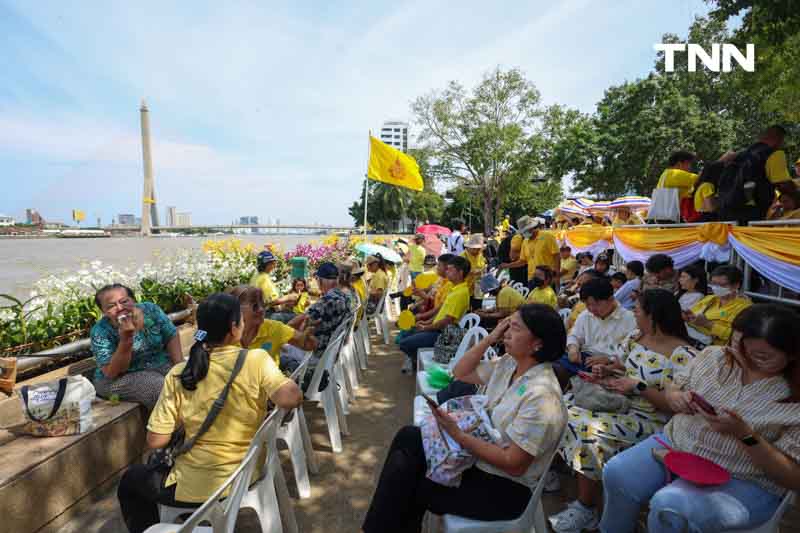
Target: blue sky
[{"x": 263, "y": 108}]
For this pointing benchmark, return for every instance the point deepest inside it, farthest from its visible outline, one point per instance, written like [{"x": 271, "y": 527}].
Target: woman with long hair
[
  {"x": 649, "y": 359},
  {"x": 748, "y": 423},
  {"x": 190, "y": 389},
  {"x": 693, "y": 285}
]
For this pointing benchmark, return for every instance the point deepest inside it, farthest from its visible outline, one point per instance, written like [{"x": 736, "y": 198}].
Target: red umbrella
[{"x": 434, "y": 229}]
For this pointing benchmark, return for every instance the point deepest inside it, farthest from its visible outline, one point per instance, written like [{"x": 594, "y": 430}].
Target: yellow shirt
[
  {"x": 509, "y": 299},
  {"x": 721, "y": 317},
  {"x": 542, "y": 250},
  {"x": 570, "y": 265},
  {"x": 543, "y": 295},
  {"x": 417, "y": 260},
  {"x": 361, "y": 289},
  {"x": 263, "y": 281},
  {"x": 445, "y": 285},
  {"x": 427, "y": 279},
  {"x": 776, "y": 168},
  {"x": 705, "y": 190},
  {"x": 477, "y": 264},
  {"x": 271, "y": 336},
  {"x": 516, "y": 242},
  {"x": 675, "y": 178},
  {"x": 380, "y": 280},
  {"x": 302, "y": 303},
  {"x": 214, "y": 457},
  {"x": 456, "y": 303},
  {"x": 577, "y": 309},
  {"x": 630, "y": 221}
]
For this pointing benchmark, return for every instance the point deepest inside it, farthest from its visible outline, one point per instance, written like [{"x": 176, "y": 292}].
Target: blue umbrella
[{"x": 367, "y": 248}]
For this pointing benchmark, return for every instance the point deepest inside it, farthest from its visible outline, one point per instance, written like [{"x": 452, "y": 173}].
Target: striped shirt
[{"x": 757, "y": 403}]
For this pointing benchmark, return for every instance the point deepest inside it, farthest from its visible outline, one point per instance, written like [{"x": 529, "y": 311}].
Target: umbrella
[
  {"x": 367, "y": 248},
  {"x": 599, "y": 207},
  {"x": 434, "y": 229},
  {"x": 631, "y": 202}
]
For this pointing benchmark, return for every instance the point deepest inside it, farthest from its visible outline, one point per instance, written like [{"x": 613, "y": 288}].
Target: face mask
[
  {"x": 537, "y": 282},
  {"x": 720, "y": 291}
]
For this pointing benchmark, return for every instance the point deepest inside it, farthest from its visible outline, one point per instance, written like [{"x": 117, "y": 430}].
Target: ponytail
[{"x": 216, "y": 315}]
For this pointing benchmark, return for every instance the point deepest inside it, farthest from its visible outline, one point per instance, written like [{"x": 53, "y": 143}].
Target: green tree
[{"x": 479, "y": 139}]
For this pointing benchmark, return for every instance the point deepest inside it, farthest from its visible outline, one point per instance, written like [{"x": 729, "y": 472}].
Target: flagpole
[{"x": 366, "y": 186}]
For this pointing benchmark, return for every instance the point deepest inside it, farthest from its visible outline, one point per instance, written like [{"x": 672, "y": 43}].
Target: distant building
[
  {"x": 126, "y": 219},
  {"x": 183, "y": 219},
  {"x": 6, "y": 220},
  {"x": 32, "y": 216},
  {"x": 395, "y": 134},
  {"x": 172, "y": 215},
  {"x": 248, "y": 221}
]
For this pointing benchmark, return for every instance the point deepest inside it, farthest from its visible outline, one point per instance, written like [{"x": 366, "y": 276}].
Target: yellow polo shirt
[
  {"x": 675, "y": 178},
  {"x": 539, "y": 251},
  {"x": 509, "y": 299},
  {"x": 516, "y": 242},
  {"x": 456, "y": 303},
  {"x": 477, "y": 264},
  {"x": 570, "y": 265},
  {"x": 380, "y": 280},
  {"x": 302, "y": 304},
  {"x": 445, "y": 285},
  {"x": 543, "y": 295},
  {"x": 263, "y": 281},
  {"x": 214, "y": 457},
  {"x": 417, "y": 259},
  {"x": 721, "y": 317},
  {"x": 271, "y": 336},
  {"x": 776, "y": 168},
  {"x": 705, "y": 190}
]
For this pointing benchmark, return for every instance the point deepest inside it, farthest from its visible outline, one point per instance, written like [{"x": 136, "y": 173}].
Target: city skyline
[{"x": 263, "y": 109}]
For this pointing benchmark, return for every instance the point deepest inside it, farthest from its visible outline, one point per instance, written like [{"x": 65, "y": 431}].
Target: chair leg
[
  {"x": 342, "y": 391},
  {"x": 332, "y": 418},
  {"x": 385, "y": 328},
  {"x": 311, "y": 455},
  {"x": 341, "y": 415},
  {"x": 294, "y": 442},
  {"x": 263, "y": 499},
  {"x": 539, "y": 525},
  {"x": 285, "y": 506}
]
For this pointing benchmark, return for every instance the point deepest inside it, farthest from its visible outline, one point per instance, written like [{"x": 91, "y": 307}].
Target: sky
[{"x": 262, "y": 108}]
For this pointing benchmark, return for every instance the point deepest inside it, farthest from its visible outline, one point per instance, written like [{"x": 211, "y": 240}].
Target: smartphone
[
  {"x": 431, "y": 403},
  {"x": 703, "y": 404}
]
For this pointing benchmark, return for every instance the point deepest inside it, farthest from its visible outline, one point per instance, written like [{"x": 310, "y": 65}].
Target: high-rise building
[
  {"x": 172, "y": 215},
  {"x": 32, "y": 216},
  {"x": 126, "y": 219},
  {"x": 183, "y": 219},
  {"x": 395, "y": 134}
]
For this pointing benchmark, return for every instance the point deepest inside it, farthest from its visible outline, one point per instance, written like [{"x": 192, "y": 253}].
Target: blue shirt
[
  {"x": 149, "y": 344},
  {"x": 625, "y": 294}
]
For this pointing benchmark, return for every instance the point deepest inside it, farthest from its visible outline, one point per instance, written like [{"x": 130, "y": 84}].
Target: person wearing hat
[
  {"x": 507, "y": 301},
  {"x": 477, "y": 267},
  {"x": 538, "y": 248},
  {"x": 378, "y": 282},
  {"x": 262, "y": 279},
  {"x": 416, "y": 256}
]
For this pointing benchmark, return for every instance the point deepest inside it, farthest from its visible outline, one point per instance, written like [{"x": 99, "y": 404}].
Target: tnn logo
[{"x": 710, "y": 61}]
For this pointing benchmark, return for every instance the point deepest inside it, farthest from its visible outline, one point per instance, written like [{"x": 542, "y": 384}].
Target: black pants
[
  {"x": 139, "y": 493},
  {"x": 404, "y": 493}
]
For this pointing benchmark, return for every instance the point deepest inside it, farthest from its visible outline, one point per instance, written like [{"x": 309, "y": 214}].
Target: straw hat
[
  {"x": 371, "y": 259},
  {"x": 524, "y": 222},
  {"x": 474, "y": 241},
  {"x": 530, "y": 223}
]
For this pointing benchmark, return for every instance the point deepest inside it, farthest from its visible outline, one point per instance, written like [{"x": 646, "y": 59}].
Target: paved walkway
[{"x": 342, "y": 490}]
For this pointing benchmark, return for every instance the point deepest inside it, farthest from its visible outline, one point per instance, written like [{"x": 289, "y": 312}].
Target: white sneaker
[
  {"x": 552, "y": 482},
  {"x": 406, "y": 368},
  {"x": 574, "y": 519}
]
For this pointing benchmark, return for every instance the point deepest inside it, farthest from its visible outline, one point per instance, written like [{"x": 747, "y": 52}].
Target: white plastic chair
[
  {"x": 564, "y": 314},
  {"x": 218, "y": 510},
  {"x": 532, "y": 519},
  {"x": 773, "y": 524},
  {"x": 471, "y": 338},
  {"x": 521, "y": 288},
  {"x": 382, "y": 319},
  {"x": 469, "y": 321},
  {"x": 329, "y": 397}
]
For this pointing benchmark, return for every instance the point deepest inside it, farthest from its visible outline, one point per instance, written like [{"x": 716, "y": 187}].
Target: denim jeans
[
  {"x": 423, "y": 339},
  {"x": 634, "y": 477}
]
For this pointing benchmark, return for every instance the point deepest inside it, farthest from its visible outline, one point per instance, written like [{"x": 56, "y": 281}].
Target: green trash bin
[{"x": 299, "y": 267}]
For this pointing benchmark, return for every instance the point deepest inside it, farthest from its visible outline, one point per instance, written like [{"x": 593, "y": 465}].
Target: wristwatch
[
  {"x": 641, "y": 386},
  {"x": 749, "y": 440}
]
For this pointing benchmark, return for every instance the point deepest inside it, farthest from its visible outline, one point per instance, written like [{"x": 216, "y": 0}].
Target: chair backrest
[
  {"x": 469, "y": 321},
  {"x": 225, "y": 512},
  {"x": 471, "y": 338},
  {"x": 326, "y": 362},
  {"x": 528, "y": 515},
  {"x": 521, "y": 288}
]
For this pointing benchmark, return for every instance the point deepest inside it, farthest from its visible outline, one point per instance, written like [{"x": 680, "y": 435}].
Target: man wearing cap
[
  {"x": 416, "y": 256},
  {"x": 455, "y": 305},
  {"x": 538, "y": 248},
  {"x": 326, "y": 314},
  {"x": 477, "y": 267}
]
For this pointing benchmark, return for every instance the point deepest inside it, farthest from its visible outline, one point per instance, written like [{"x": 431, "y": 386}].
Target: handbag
[
  {"x": 665, "y": 205},
  {"x": 163, "y": 459},
  {"x": 447, "y": 343},
  {"x": 594, "y": 397},
  {"x": 56, "y": 408}
]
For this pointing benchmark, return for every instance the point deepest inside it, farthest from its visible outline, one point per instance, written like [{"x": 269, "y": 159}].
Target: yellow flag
[
  {"x": 392, "y": 166},
  {"x": 78, "y": 215}
]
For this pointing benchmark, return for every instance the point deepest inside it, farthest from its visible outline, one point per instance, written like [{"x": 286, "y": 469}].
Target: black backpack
[
  {"x": 748, "y": 166},
  {"x": 504, "y": 250}
]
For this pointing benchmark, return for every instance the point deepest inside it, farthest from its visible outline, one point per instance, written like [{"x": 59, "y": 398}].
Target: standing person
[
  {"x": 528, "y": 411},
  {"x": 628, "y": 294},
  {"x": 378, "y": 282},
  {"x": 455, "y": 241},
  {"x": 453, "y": 308},
  {"x": 660, "y": 274},
  {"x": 189, "y": 391},
  {"x": 513, "y": 251},
  {"x": 538, "y": 248},
  {"x": 754, "y": 434},
  {"x": 692, "y": 281},
  {"x": 705, "y": 192},
  {"x": 416, "y": 256},
  {"x": 134, "y": 345},
  {"x": 677, "y": 174},
  {"x": 477, "y": 267},
  {"x": 709, "y": 320}
]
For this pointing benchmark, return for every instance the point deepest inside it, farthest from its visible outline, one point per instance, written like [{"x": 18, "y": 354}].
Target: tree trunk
[{"x": 488, "y": 211}]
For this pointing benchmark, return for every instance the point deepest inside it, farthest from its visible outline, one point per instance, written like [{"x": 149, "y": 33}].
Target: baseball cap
[{"x": 327, "y": 270}]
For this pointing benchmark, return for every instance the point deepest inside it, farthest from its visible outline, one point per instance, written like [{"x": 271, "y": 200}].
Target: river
[{"x": 23, "y": 261}]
